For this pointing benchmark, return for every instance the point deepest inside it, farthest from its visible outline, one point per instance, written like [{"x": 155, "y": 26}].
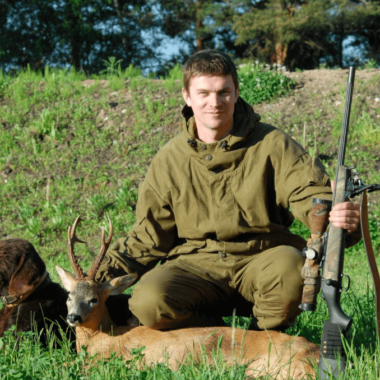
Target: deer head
[{"x": 86, "y": 301}]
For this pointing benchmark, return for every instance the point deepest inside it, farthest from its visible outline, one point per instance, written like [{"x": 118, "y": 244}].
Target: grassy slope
[{"x": 73, "y": 146}]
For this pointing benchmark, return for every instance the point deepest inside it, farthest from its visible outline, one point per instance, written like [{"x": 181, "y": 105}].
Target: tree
[
  {"x": 26, "y": 32},
  {"x": 300, "y": 33},
  {"x": 275, "y": 31},
  {"x": 80, "y": 33},
  {"x": 366, "y": 29},
  {"x": 199, "y": 24}
]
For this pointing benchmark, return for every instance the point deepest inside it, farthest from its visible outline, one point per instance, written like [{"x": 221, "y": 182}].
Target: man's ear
[
  {"x": 68, "y": 280},
  {"x": 186, "y": 96}
]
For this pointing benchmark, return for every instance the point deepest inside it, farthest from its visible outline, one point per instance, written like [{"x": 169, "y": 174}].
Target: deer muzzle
[{"x": 74, "y": 319}]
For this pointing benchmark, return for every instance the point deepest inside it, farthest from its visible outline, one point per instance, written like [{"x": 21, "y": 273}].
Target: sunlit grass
[{"x": 69, "y": 150}]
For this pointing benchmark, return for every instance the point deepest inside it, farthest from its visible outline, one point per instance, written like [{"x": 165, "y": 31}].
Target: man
[{"x": 214, "y": 210}]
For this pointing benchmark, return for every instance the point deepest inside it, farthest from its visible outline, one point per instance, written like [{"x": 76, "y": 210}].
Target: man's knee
[
  {"x": 170, "y": 297},
  {"x": 278, "y": 289},
  {"x": 287, "y": 269},
  {"x": 149, "y": 297},
  {"x": 281, "y": 270}
]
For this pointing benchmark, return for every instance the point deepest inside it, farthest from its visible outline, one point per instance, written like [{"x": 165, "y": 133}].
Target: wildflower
[{"x": 258, "y": 79}]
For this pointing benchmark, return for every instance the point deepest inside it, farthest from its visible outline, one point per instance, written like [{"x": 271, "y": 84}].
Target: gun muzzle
[{"x": 313, "y": 252}]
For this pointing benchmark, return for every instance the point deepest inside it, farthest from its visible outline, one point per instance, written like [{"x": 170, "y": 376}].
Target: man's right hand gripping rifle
[{"x": 327, "y": 251}]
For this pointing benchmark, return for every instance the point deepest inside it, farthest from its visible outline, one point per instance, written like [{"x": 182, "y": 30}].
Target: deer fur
[
  {"x": 21, "y": 271},
  {"x": 265, "y": 352}
]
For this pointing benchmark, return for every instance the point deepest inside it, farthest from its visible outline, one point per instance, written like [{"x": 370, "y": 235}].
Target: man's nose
[{"x": 215, "y": 100}]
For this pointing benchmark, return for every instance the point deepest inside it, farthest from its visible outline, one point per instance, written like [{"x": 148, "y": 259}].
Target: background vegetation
[
  {"x": 76, "y": 145},
  {"x": 81, "y": 33}
]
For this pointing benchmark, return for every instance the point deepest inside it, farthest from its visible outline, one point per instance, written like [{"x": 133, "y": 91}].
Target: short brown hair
[{"x": 209, "y": 62}]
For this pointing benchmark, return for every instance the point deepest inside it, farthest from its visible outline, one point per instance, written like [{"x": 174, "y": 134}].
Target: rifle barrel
[{"x": 346, "y": 117}]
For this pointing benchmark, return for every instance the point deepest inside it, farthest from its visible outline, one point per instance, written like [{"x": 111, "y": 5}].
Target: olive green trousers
[{"x": 198, "y": 289}]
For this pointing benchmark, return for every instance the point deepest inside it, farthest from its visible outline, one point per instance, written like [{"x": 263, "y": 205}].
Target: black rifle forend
[{"x": 332, "y": 264}]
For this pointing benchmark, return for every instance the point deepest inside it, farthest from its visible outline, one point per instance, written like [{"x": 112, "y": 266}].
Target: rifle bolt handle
[{"x": 311, "y": 254}]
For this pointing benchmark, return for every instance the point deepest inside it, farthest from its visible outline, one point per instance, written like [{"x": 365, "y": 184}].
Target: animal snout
[{"x": 74, "y": 318}]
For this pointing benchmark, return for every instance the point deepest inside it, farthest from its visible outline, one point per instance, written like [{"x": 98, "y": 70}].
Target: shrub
[{"x": 259, "y": 84}]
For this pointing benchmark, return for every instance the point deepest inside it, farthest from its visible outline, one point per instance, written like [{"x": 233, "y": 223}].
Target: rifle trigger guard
[{"x": 348, "y": 283}]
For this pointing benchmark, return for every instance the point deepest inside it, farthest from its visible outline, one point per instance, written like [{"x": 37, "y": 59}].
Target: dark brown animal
[{"x": 31, "y": 300}]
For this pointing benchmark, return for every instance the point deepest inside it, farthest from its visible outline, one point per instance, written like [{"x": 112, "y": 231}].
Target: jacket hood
[{"x": 245, "y": 120}]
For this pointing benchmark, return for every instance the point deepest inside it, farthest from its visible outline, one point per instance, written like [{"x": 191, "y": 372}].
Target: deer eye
[{"x": 94, "y": 300}]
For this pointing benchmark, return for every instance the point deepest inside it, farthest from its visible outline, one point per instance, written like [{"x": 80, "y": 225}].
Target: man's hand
[{"x": 345, "y": 215}]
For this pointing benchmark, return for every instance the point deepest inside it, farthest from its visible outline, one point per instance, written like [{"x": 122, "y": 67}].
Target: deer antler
[
  {"x": 96, "y": 264},
  {"x": 72, "y": 239}
]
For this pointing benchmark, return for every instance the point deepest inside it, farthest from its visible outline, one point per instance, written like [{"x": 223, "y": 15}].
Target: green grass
[{"x": 67, "y": 149}]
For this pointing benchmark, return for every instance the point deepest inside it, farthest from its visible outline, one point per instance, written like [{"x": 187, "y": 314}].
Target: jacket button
[
  {"x": 222, "y": 255},
  {"x": 204, "y": 147},
  {"x": 209, "y": 157}
]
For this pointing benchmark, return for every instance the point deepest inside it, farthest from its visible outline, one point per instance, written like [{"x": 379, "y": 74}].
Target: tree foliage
[
  {"x": 199, "y": 24},
  {"x": 80, "y": 33},
  {"x": 365, "y": 27},
  {"x": 300, "y": 33},
  {"x": 84, "y": 33}
]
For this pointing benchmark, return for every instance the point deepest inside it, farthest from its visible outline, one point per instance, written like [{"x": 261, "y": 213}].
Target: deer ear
[
  {"x": 119, "y": 284},
  {"x": 68, "y": 280}
]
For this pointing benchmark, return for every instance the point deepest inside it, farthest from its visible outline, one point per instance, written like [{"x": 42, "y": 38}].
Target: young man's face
[{"x": 212, "y": 99}]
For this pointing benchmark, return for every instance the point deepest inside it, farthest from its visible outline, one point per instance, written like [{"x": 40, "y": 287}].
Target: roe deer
[{"x": 264, "y": 352}]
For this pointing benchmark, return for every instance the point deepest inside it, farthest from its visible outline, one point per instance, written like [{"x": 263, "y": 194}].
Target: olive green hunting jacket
[{"x": 233, "y": 195}]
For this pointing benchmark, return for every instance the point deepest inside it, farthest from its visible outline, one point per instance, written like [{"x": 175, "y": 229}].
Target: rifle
[{"x": 327, "y": 251}]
